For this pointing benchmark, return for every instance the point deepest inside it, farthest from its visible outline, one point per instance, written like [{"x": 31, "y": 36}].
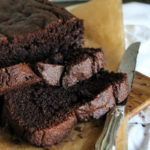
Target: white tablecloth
[{"x": 137, "y": 28}]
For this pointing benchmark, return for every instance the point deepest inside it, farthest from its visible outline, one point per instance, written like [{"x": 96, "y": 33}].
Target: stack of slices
[{"x": 48, "y": 82}]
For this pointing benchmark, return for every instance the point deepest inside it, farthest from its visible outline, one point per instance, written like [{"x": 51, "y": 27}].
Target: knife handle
[{"x": 107, "y": 140}]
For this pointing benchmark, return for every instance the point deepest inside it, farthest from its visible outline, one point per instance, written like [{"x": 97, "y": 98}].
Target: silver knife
[{"x": 107, "y": 140}]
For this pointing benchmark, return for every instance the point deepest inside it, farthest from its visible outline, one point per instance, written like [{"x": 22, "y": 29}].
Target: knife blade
[
  {"x": 128, "y": 62},
  {"x": 107, "y": 140}
]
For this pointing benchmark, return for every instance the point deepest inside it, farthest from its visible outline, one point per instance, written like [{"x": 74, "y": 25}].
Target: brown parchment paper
[{"x": 103, "y": 28}]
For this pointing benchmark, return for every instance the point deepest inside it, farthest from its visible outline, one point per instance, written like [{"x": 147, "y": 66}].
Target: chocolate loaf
[
  {"x": 41, "y": 108},
  {"x": 48, "y": 82},
  {"x": 31, "y": 30}
]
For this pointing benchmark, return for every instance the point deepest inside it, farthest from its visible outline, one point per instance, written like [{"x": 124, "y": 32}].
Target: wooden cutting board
[
  {"x": 140, "y": 96},
  {"x": 139, "y": 99},
  {"x": 84, "y": 135}
]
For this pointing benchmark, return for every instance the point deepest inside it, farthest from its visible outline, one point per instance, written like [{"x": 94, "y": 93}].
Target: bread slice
[
  {"x": 104, "y": 90},
  {"x": 16, "y": 76},
  {"x": 39, "y": 111},
  {"x": 80, "y": 64}
]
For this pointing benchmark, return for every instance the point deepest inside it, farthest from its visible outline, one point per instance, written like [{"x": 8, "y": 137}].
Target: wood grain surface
[{"x": 140, "y": 96}]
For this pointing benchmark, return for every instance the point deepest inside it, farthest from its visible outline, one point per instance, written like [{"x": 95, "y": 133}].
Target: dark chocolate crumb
[{"x": 78, "y": 129}]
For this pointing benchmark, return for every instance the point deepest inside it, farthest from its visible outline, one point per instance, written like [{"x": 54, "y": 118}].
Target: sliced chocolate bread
[
  {"x": 16, "y": 76},
  {"x": 79, "y": 65},
  {"x": 41, "y": 114},
  {"x": 44, "y": 115},
  {"x": 101, "y": 92},
  {"x": 33, "y": 29},
  {"x": 75, "y": 68}
]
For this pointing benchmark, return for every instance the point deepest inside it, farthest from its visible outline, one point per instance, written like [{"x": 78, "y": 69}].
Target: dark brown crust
[
  {"x": 97, "y": 107},
  {"x": 31, "y": 30},
  {"x": 16, "y": 76},
  {"x": 29, "y": 16},
  {"x": 52, "y": 135}
]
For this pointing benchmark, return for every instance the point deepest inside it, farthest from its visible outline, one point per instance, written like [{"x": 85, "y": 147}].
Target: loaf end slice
[{"x": 16, "y": 76}]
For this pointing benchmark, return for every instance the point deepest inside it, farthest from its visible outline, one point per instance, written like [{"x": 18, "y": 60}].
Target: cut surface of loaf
[
  {"x": 16, "y": 76},
  {"x": 80, "y": 64},
  {"x": 32, "y": 29},
  {"x": 74, "y": 69},
  {"x": 103, "y": 90},
  {"x": 40, "y": 108}
]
